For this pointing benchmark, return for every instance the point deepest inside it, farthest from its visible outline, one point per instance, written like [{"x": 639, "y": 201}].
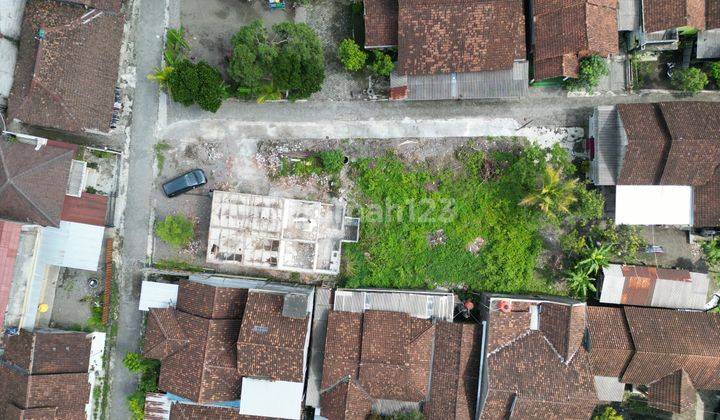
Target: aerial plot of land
[{"x": 359, "y": 209}]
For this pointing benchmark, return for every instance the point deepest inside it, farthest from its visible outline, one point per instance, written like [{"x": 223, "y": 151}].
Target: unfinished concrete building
[{"x": 278, "y": 233}]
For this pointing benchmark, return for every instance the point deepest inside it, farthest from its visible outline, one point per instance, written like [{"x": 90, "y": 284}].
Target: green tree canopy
[
  {"x": 183, "y": 83},
  {"x": 351, "y": 55},
  {"x": 592, "y": 69},
  {"x": 299, "y": 67},
  {"x": 382, "y": 64},
  {"x": 197, "y": 83},
  {"x": 252, "y": 56},
  {"x": 691, "y": 80},
  {"x": 554, "y": 194}
]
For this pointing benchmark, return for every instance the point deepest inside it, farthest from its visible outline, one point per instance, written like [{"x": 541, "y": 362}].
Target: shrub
[
  {"x": 252, "y": 56},
  {"x": 715, "y": 72},
  {"x": 212, "y": 90},
  {"x": 690, "y": 80},
  {"x": 608, "y": 413},
  {"x": 351, "y": 55},
  {"x": 711, "y": 249},
  {"x": 184, "y": 83},
  {"x": 299, "y": 67},
  {"x": 592, "y": 69},
  {"x": 580, "y": 283},
  {"x": 175, "y": 230},
  {"x": 332, "y": 161},
  {"x": 176, "y": 46},
  {"x": 382, "y": 64},
  {"x": 149, "y": 371}
]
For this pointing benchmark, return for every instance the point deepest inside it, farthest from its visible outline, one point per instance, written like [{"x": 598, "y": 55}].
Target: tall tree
[
  {"x": 252, "y": 57},
  {"x": 554, "y": 194},
  {"x": 299, "y": 67}
]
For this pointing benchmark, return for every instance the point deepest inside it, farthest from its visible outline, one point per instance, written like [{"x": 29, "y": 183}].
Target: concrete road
[{"x": 148, "y": 49}]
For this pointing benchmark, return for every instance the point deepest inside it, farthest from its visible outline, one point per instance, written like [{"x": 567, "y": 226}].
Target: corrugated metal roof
[
  {"x": 72, "y": 245},
  {"x": 9, "y": 241},
  {"x": 708, "y": 44},
  {"x": 317, "y": 353},
  {"x": 157, "y": 406},
  {"x": 605, "y": 128},
  {"x": 417, "y": 304},
  {"x": 609, "y": 388},
  {"x": 90, "y": 209}
]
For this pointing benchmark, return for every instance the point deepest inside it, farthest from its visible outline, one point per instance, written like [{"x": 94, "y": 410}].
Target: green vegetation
[
  {"x": 400, "y": 415},
  {"x": 423, "y": 227},
  {"x": 90, "y": 189},
  {"x": 554, "y": 194},
  {"x": 711, "y": 249},
  {"x": 176, "y": 46},
  {"x": 351, "y": 55},
  {"x": 177, "y": 266},
  {"x": 148, "y": 371},
  {"x": 290, "y": 61},
  {"x": 329, "y": 162},
  {"x": 102, "y": 154},
  {"x": 382, "y": 64},
  {"x": 691, "y": 80},
  {"x": 592, "y": 69},
  {"x": 642, "y": 70},
  {"x": 175, "y": 230},
  {"x": 714, "y": 72},
  {"x": 199, "y": 83},
  {"x": 580, "y": 283},
  {"x": 608, "y": 413},
  {"x": 160, "y": 148}
]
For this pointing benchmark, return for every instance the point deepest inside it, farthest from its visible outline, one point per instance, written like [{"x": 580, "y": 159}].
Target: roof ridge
[{"x": 511, "y": 342}]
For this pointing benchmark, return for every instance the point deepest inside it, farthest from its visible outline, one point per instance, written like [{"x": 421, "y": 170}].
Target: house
[
  {"x": 566, "y": 32},
  {"x": 50, "y": 374},
  {"x": 449, "y": 49},
  {"x": 278, "y": 233},
  {"x": 67, "y": 65},
  {"x": 672, "y": 353},
  {"x": 651, "y": 286},
  {"x": 48, "y": 221},
  {"x": 236, "y": 343},
  {"x": 395, "y": 354},
  {"x": 657, "y": 24},
  {"x": 535, "y": 359},
  {"x": 661, "y": 160}
]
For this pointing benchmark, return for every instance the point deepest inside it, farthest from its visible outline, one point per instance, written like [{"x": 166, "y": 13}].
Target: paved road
[{"x": 148, "y": 50}]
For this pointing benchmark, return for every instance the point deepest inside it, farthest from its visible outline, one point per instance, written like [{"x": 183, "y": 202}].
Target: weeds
[{"x": 160, "y": 149}]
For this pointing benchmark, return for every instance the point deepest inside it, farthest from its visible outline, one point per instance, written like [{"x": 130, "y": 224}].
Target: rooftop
[
  {"x": 278, "y": 233},
  {"x": 67, "y": 66},
  {"x": 661, "y": 15}
]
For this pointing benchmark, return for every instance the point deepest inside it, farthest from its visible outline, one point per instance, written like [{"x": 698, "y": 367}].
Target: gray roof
[
  {"x": 708, "y": 44},
  {"x": 605, "y": 127},
  {"x": 628, "y": 15}
]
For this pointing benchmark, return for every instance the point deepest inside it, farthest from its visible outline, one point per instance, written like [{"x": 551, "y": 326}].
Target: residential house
[
  {"x": 449, "y": 49},
  {"x": 48, "y": 221},
  {"x": 661, "y": 161},
  {"x": 50, "y": 374},
  {"x": 278, "y": 233},
  {"x": 566, "y": 32},
  {"x": 651, "y": 286},
  {"x": 672, "y": 353},
  {"x": 241, "y": 344},
  {"x": 535, "y": 359},
  {"x": 395, "y": 351},
  {"x": 67, "y": 65},
  {"x": 657, "y": 24}
]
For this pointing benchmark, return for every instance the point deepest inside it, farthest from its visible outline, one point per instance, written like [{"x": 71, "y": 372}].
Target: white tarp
[
  {"x": 276, "y": 399},
  {"x": 72, "y": 245},
  {"x": 157, "y": 295},
  {"x": 654, "y": 205}
]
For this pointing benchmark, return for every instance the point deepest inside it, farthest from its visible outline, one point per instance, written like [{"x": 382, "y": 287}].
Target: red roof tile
[
  {"x": 446, "y": 36},
  {"x": 661, "y": 15},
  {"x": 89, "y": 209},
  {"x": 712, "y": 10},
  {"x": 675, "y": 393},
  {"x": 9, "y": 242},
  {"x": 569, "y": 30},
  {"x": 381, "y": 23}
]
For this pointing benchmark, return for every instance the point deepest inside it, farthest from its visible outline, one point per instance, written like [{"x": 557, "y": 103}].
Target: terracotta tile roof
[
  {"x": 33, "y": 183},
  {"x": 89, "y": 209},
  {"x": 164, "y": 336},
  {"x": 706, "y": 200},
  {"x": 610, "y": 340},
  {"x": 661, "y": 15},
  {"x": 45, "y": 373},
  {"x": 446, "y": 36},
  {"x": 9, "y": 242},
  {"x": 712, "y": 10},
  {"x": 180, "y": 411},
  {"x": 346, "y": 400},
  {"x": 271, "y": 345},
  {"x": 381, "y": 23},
  {"x": 569, "y": 30},
  {"x": 648, "y": 144},
  {"x": 211, "y": 302},
  {"x": 542, "y": 372},
  {"x": 105, "y": 5},
  {"x": 675, "y": 392},
  {"x": 67, "y": 79}
]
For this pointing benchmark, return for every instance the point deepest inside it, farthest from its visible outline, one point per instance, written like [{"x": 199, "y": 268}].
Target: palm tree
[
  {"x": 580, "y": 282},
  {"x": 555, "y": 194},
  {"x": 597, "y": 259},
  {"x": 176, "y": 46}
]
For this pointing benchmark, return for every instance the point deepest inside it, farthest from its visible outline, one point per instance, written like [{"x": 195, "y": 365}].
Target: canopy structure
[{"x": 654, "y": 205}]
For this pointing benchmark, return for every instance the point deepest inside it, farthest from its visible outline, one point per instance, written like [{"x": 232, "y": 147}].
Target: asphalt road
[{"x": 148, "y": 50}]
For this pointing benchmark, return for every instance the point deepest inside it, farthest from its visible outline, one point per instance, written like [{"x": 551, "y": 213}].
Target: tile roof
[
  {"x": 45, "y": 373},
  {"x": 712, "y": 11},
  {"x": 67, "y": 79},
  {"x": 674, "y": 144},
  {"x": 9, "y": 242},
  {"x": 661, "y": 15},
  {"x": 381, "y": 355},
  {"x": 381, "y": 23},
  {"x": 33, "y": 183},
  {"x": 446, "y": 36},
  {"x": 271, "y": 345},
  {"x": 543, "y": 373},
  {"x": 89, "y": 209},
  {"x": 661, "y": 342},
  {"x": 211, "y": 302},
  {"x": 675, "y": 392},
  {"x": 567, "y": 31},
  {"x": 180, "y": 411}
]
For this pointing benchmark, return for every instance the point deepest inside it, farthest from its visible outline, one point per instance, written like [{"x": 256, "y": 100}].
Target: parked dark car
[{"x": 184, "y": 183}]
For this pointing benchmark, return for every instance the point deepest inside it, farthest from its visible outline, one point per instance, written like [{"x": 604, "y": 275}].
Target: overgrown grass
[
  {"x": 329, "y": 162},
  {"x": 403, "y": 210},
  {"x": 160, "y": 148},
  {"x": 177, "y": 265}
]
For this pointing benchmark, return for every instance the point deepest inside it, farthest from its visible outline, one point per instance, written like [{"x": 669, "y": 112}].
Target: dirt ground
[{"x": 73, "y": 298}]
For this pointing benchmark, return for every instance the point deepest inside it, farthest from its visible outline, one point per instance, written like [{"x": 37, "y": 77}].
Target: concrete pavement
[{"x": 148, "y": 49}]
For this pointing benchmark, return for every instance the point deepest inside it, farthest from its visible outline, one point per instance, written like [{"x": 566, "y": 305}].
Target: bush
[
  {"x": 715, "y": 73},
  {"x": 329, "y": 162},
  {"x": 212, "y": 90},
  {"x": 351, "y": 55},
  {"x": 592, "y": 69},
  {"x": 382, "y": 64},
  {"x": 184, "y": 83},
  {"x": 711, "y": 249},
  {"x": 608, "y": 413},
  {"x": 690, "y": 80},
  {"x": 149, "y": 371},
  {"x": 175, "y": 230},
  {"x": 332, "y": 161},
  {"x": 197, "y": 83}
]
